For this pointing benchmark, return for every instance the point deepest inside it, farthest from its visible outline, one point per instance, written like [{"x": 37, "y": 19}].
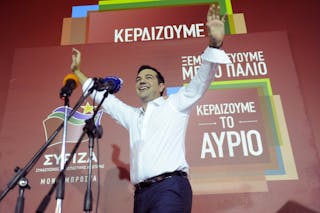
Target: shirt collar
[{"x": 156, "y": 102}]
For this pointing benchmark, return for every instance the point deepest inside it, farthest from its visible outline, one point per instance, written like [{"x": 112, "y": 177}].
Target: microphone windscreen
[
  {"x": 114, "y": 83},
  {"x": 71, "y": 76}
]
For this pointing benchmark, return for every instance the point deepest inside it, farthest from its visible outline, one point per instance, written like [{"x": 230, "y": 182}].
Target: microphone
[
  {"x": 112, "y": 84},
  {"x": 70, "y": 82}
]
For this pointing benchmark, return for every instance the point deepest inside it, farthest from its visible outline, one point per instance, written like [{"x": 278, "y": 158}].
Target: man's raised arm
[{"x": 75, "y": 66}]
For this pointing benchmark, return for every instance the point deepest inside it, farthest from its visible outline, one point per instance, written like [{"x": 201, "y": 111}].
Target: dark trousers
[{"x": 172, "y": 195}]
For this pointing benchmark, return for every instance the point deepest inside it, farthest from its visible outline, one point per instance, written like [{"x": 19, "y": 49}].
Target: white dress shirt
[{"x": 157, "y": 136}]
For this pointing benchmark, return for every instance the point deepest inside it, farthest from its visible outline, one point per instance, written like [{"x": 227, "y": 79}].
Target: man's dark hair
[{"x": 159, "y": 75}]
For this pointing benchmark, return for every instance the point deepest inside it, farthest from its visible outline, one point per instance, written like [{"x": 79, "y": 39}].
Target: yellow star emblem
[{"x": 87, "y": 108}]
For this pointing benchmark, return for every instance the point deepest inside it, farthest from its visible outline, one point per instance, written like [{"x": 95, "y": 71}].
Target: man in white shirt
[{"x": 158, "y": 167}]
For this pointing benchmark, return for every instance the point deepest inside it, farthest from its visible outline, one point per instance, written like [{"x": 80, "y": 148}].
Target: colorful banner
[
  {"x": 240, "y": 137},
  {"x": 113, "y": 24}
]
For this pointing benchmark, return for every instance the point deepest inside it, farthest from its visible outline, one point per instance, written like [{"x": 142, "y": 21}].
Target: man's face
[{"x": 147, "y": 85}]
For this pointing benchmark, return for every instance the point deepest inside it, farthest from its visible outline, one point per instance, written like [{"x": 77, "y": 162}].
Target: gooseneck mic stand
[{"x": 20, "y": 176}]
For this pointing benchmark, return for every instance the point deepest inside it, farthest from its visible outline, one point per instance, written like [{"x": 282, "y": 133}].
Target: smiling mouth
[{"x": 143, "y": 88}]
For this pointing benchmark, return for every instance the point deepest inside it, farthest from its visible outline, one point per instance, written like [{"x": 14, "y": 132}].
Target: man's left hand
[{"x": 215, "y": 26}]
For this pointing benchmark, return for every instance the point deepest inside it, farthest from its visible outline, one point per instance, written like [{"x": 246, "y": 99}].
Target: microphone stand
[
  {"x": 92, "y": 132},
  {"x": 64, "y": 94},
  {"x": 20, "y": 176},
  {"x": 89, "y": 128},
  {"x": 23, "y": 184},
  {"x": 45, "y": 201}
]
